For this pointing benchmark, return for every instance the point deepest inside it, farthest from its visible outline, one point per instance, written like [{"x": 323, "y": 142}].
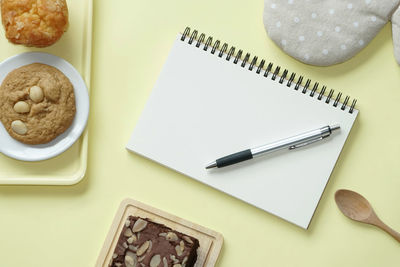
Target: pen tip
[
  {"x": 334, "y": 127},
  {"x": 211, "y": 165}
]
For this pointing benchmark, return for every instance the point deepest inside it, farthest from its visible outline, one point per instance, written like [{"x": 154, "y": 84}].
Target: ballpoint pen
[{"x": 290, "y": 143}]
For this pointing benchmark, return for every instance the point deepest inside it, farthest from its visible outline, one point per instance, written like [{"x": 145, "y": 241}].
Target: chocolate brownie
[{"x": 145, "y": 243}]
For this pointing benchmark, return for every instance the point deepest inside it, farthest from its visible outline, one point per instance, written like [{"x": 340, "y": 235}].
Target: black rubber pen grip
[{"x": 234, "y": 158}]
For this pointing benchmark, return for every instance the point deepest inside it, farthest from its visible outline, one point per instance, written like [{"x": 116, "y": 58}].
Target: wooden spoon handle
[{"x": 390, "y": 231}]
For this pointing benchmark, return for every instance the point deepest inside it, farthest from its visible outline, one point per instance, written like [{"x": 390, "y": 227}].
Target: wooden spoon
[{"x": 357, "y": 208}]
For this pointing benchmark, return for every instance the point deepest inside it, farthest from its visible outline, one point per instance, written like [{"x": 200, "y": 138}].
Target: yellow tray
[{"x": 75, "y": 46}]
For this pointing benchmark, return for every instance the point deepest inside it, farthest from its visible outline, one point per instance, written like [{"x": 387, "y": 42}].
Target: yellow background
[{"x": 66, "y": 226}]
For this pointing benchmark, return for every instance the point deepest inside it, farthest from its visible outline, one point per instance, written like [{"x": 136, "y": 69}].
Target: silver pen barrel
[{"x": 292, "y": 142}]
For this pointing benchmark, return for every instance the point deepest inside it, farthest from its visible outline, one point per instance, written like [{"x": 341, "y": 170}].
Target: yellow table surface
[{"x": 66, "y": 226}]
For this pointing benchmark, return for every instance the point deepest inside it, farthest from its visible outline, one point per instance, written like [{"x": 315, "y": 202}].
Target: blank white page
[{"x": 204, "y": 107}]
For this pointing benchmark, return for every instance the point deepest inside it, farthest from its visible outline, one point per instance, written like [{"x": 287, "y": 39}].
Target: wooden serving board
[{"x": 210, "y": 241}]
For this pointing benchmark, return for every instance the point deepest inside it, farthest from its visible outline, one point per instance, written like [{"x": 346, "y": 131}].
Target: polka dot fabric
[{"x": 327, "y": 32}]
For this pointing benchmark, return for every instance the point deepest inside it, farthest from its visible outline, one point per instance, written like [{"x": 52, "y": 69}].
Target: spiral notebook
[{"x": 212, "y": 100}]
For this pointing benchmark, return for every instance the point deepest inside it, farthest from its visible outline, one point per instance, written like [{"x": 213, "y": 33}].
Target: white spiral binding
[{"x": 208, "y": 43}]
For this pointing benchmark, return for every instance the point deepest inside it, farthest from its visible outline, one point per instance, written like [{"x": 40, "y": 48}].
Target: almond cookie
[
  {"x": 37, "y": 103},
  {"x": 36, "y": 23}
]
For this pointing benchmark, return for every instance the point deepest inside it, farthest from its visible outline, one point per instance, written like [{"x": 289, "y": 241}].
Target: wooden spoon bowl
[{"x": 357, "y": 208}]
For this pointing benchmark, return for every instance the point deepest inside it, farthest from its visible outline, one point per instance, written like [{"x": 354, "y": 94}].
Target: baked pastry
[
  {"x": 37, "y": 103},
  {"x": 34, "y": 23},
  {"x": 146, "y": 243}
]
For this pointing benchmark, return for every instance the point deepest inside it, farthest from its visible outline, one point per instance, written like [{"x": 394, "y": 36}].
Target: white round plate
[{"x": 15, "y": 149}]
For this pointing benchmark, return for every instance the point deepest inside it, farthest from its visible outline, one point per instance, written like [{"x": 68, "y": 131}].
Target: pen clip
[{"x": 306, "y": 143}]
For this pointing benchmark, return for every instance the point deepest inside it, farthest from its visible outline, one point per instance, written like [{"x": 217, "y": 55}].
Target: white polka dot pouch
[{"x": 327, "y": 32}]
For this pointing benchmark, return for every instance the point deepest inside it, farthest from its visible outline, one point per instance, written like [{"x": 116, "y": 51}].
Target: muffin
[
  {"x": 37, "y": 103},
  {"x": 38, "y": 23}
]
